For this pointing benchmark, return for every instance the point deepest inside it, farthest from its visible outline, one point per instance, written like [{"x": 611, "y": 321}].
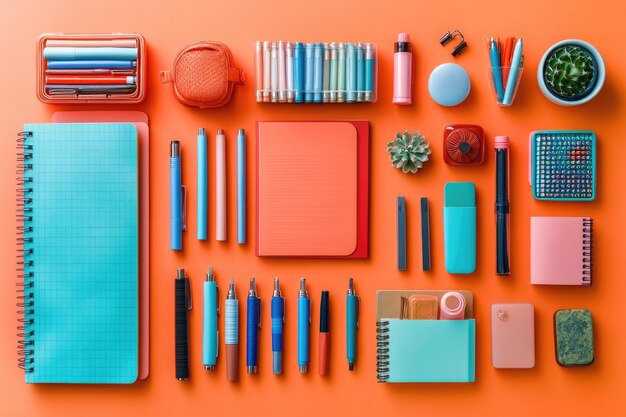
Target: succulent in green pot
[
  {"x": 408, "y": 151},
  {"x": 570, "y": 71}
]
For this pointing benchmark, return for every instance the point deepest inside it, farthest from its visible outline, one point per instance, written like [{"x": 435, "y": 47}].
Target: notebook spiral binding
[
  {"x": 587, "y": 229},
  {"x": 25, "y": 275},
  {"x": 382, "y": 350}
]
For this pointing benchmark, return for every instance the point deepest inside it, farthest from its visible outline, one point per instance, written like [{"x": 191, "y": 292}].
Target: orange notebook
[{"x": 312, "y": 189}]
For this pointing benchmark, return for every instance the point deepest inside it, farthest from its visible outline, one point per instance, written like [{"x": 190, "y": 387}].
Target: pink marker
[
  {"x": 402, "y": 70},
  {"x": 220, "y": 185}
]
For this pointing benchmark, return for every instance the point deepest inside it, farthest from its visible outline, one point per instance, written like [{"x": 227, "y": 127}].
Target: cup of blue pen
[{"x": 502, "y": 96}]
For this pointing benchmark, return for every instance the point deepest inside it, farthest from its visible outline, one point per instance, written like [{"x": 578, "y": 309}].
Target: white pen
[
  {"x": 266, "y": 71},
  {"x": 282, "y": 93},
  {"x": 274, "y": 74},
  {"x": 289, "y": 71}
]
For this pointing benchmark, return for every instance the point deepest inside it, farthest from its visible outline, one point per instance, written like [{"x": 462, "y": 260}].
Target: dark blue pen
[
  {"x": 278, "y": 321},
  {"x": 253, "y": 325}
]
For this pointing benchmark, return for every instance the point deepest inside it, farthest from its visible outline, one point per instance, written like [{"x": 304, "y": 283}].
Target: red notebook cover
[{"x": 349, "y": 240}]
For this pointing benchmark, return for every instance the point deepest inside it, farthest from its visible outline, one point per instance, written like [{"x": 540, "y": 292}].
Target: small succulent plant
[
  {"x": 408, "y": 151},
  {"x": 570, "y": 72}
]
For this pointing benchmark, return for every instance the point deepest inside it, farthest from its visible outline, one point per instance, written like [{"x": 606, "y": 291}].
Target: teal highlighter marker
[
  {"x": 341, "y": 73},
  {"x": 202, "y": 185},
  {"x": 350, "y": 73},
  {"x": 209, "y": 324},
  {"x": 369, "y": 72},
  {"x": 304, "y": 322},
  {"x": 241, "y": 186},
  {"x": 352, "y": 324},
  {"x": 360, "y": 73},
  {"x": 309, "y": 66},
  {"x": 318, "y": 72}
]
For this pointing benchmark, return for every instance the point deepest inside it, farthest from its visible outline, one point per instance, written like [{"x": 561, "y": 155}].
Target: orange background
[{"x": 545, "y": 390}]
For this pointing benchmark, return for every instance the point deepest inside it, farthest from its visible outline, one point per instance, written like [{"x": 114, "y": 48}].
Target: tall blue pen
[
  {"x": 201, "y": 232},
  {"x": 494, "y": 56},
  {"x": 209, "y": 322},
  {"x": 253, "y": 324},
  {"x": 309, "y": 52},
  {"x": 360, "y": 73},
  {"x": 304, "y": 322},
  {"x": 278, "y": 321},
  {"x": 298, "y": 72},
  {"x": 352, "y": 320},
  {"x": 350, "y": 73},
  {"x": 176, "y": 198},
  {"x": 241, "y": 186},
  {"x": 369, "y": 72},
  {"x": 318, "y": 71}
]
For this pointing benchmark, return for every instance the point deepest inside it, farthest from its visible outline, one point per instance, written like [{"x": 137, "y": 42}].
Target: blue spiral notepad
[{"x": 80, "y": 253}]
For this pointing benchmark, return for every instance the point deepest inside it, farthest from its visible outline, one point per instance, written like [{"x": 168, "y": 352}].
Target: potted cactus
[
  {"x": 571, "y": 72},
  {"x": 408, "y": 152}
]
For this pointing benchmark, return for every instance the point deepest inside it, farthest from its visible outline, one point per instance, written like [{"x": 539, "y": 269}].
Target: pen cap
[
  {"x": 501, "y": 142},
  {"x": 459, "y": 194}
]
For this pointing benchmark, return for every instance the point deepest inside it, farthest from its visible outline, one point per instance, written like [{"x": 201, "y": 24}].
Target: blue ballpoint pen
[
  {"x": 350, "y": 73},
  {"x": 352, "y": 324},
  {"x": 210, "y": 332},
  {"x": 231, "y": 333},
  {"x": 318, "y": 71},
  {"x": 304, "y": 322},
  {"x": 241, "y": 186},
  {"x": 278, "y": 320},
  {"x": 298, "y": 72},
  {"x": 516, "y": 64},
  {"x": 494, "y": 55},
  {"x": 202, "y": 185},
  {"x": 308, "y": 72},
  {"x": 253, "y": 326},
  {"x": 360, "y": 73},
  {"x": 177, "y": 198}
]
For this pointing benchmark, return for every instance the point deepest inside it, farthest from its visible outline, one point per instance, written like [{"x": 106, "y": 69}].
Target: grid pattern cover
[{"x": 84, "y": 253}]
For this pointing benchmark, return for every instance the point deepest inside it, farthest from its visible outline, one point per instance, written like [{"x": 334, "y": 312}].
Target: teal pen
[
  {"x": 309, "y": 68},
  {"x": 350, "y": 73},
  {"x": 360, "y": 73},
  {"x": 304, "y": 322},
  {"x": 241, "y": 186},
  {"x": 369, "y": 72},
  {"x": 332, "y": 84},
  {"x": 516, "y": 63},
  {"x": 209, "y": 325},
  {"x": 202, "y": 185},
  {"x": 326, "y": 75},
  {"x": 341, "y": 73},
  {"x": 352, "y": 323},
  {"x": 494, "y": 55}
]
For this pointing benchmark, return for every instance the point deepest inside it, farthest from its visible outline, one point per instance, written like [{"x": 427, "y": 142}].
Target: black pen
[
  {"x": 182, "y": 303},
  {"x": 503, "y": 266}
]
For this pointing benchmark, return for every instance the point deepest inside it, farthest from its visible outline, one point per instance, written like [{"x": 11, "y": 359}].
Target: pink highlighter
[{"x": 402, "y": 70}]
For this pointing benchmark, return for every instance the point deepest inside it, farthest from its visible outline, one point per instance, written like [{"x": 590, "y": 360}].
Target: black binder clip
[{"x": 447, "y": 37}]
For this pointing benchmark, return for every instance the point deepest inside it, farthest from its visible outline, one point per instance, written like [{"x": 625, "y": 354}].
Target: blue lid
[{"x": 449, "y": 84}]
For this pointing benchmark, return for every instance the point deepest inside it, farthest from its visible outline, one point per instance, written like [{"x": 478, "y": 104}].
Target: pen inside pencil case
[
  {"x": 91, "y": 79},
  {"x": 94, "y": 71},
  {"x": 62, "y": 89}
]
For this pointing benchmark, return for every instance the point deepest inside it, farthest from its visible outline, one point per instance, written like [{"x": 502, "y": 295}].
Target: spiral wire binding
[
  {"x": 382, "y": 350},
  {"x": 587, "y": 228},
  {"x": 25, "y": 262}
]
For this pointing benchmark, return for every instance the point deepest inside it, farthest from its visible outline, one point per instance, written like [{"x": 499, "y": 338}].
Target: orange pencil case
[
  {"x": 204, "y": 75},
  {"x": 48, "y": 68}
]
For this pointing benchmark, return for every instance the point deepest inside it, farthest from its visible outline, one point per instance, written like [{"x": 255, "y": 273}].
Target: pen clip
[
  {"x": 283, "y": 309},
  {"x": 259, "y": 313},
  {"x": 184, "y": 192},
  {"x": 309, "y": 310},
  {"x": 358, "y": 310},
  {"x": 217, "y": 299},
  {"x": 188, "y": 293}
]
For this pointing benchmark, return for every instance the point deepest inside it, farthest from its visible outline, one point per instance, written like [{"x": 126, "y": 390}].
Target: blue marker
[
  {"x": 360, "y": 73},
  {"x": 209, "y": 325},
  {"x": 304, "y": 322},
  {"x": 298, "y": 72},
  {"x": 90, "y": 64},
  {"x": 241, "y": 186},
  {"x": 202, "y": 184},
  {"x": 369, "y": 72},
  {"x": 352, "y": 324},
  {"x": 318, "y": 71},
  {"x": 84, "y": 54},
  {"x": 494, "y": 55},
  {"x": 177, "y": 197},
  {"x": 308, "y": 73},
  {"x": 350, "y": 73},
  {"x": 278, "y": 321},
  {"x": 253, "y": 326}
]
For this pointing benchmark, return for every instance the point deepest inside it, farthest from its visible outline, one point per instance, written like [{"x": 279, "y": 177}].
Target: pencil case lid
[{"x": 204, "y": 75}]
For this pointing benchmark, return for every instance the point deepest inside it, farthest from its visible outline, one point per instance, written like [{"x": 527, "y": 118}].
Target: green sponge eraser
[{"x": 573, "y": 337}]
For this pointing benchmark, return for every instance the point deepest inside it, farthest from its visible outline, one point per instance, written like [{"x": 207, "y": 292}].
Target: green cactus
[
  {"x": 570, "y": 72},
  {"x": 408, "y": 152}
]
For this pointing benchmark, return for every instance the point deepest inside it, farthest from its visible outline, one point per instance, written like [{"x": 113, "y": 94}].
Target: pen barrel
[
  {"x": 308, "y": 72},
  {"x": 278, "y": 314},
  {"x": 209, "y": 325},
  {"x": 503, "y": 266},
  {"x": 231, "y": 338},
  {"x": 304, "y": 321},
  {"x": 341, "y": 73},
  {"x": 369, "y": 76},
  {"x": 220, "y": 188},
  {"x": 202, "y": 188},
  {"x": 360, "y": 73},
  {"x": 351, "y": 69},
  {"x": 176, "y": 205},
  {"x": 324, "y": 354},
  {"x": 351, "y": 320},
  {"x": 241, "y": 189},
  {"x": 298, "y": 72},
  {"x": 252, "y": 334},
  {"x": 318, "y": 71},
  {"x": 181, "y": 329}
]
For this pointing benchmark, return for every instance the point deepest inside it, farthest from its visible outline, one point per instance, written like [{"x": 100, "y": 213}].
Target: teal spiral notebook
[{"x": 78, "y": 191}]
